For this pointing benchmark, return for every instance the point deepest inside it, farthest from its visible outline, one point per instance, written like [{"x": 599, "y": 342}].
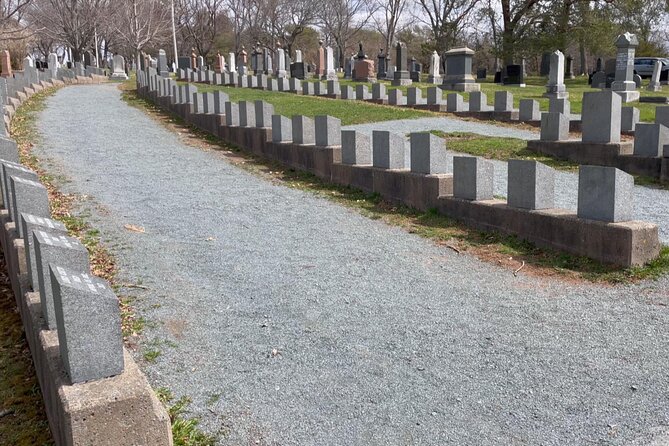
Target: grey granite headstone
[
  {"x": 247, "y": 114},
  {"x": 347, "y": 92},
  {"x": 333, "y": 88},
  {"x": 629, "y": 118},
  {"x": 9, "y": 150},
  {"x": 220, "y": 98},
  {"x": 388, "y": 150},
  {"x": 32, "y": 222},
  {"x": 361, "y": 92},
  {"x": 379, "y": 91},
  {"x": 428, "y": 154},
  {"x": 198, "y": 103},
  {"x": 435, "y": 96},
  {"x": 320, "y": 89},
  {"x": 554, "y": 127},
  {"x": 605, "y": 194},
  {"x": 57, "y": 250},
  {"x": 294, "y": 85},
  {"x": 231, "y": 114},
  {"x": 28, "y": 197},
  {"x": 650, "y": 139},
  {"x": 303, "y": 130},
  {"x": 529, "y": 110},
  {"x": 472, "y": 178},
  {"x": 89, "y": 325},
  {"x": 415, "y": 96},
  {"x": 503, "y": 101},
  {"x": 478, "y": 101},
  {"x": 356, "y": 148},
  {"x": 328, "y": 131},
  {"x": 208, "y": 103},
  {"x": 600, "y": 118},
  {"x": 662, "y": 115},
  {"x": 8, "y": 169},
  {"x": 531, "y": 185},
  {"x": 282, "y": 129},
  {"x": 308, "y": 88},
  {"x": 396, "y": 97},
  {"x": 562, "y": 105},
  {"x": 264, "y": 111},
  {"x": 456, "y": 103}
]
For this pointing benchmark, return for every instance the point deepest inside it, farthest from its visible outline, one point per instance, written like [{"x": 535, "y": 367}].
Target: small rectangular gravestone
[
  {"x": 531, "y": 185},
  {"x": 320, "y": 89},
  {"x": 600, "y": 118},
  {"x": 605, "y": 194},
  {"x": 208, "y": 103},
  {"x": 396, "y": 97},
  {"x": 9, "y": 150},
  {"x": 472, "y": 178},
  {"x": 308, "y": 88},
  {"x": 333, "y": 88},
  {"x": 361, "y": 92},
  {"x": 29, "y": 223},
  {"x": 662, "y": 115},
  {"x": 356, "y": 148},
  {"x": 263, "y": 112},
  {"x": 378, "y": 92},
  {"x": 563, "y": 106},
  {"x": 328, "y": 131},
  {"x": 89, "y": 325},
  {"x": 428, "y": 154},
  {"x": 282, "y": 129},
  {"x": 478, "y": 101},
  {"x": 231, "y": 114},
  {"x": 554, "y": 127},
  {"x": 247, "y": 114},
  {"x": 503, "y": 101},
  {"x": 347, "y": 92},
  {"x": 57, "y": 250},
  {"x": 455, "y": 103},
  {"x": 28, "y": 197},
  {"x": 435, "y": 96},
  {"x": 388, "y": 150},
  {"x": 220, "y": 98},
  {"x": 650, "y": 139},
  {"x": 303, "y": 130},
  {"x": 9, "y": 169},
  {"x": 294, "y": 85},
  {"x": 629, "y": 118},
  {"x": 529, "y": 110},
  {"x": 415, "y": 96}
]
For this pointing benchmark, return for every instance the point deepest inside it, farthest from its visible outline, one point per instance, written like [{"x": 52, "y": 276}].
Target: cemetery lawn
[
  {"x": 508, "y": 252},
  {"x": 289, "y": 104},
  {"x": 536, "y": 87}
]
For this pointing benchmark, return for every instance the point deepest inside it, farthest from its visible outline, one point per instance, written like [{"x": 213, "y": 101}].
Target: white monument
[{"x": 119, "y": 68}]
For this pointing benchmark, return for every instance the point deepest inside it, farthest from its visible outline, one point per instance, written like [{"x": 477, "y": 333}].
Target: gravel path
[
  {"x": 650, "y": 204},
  {"x": 290, "y": 320}
]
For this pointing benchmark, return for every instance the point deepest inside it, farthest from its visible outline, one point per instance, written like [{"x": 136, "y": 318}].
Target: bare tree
[
  {"x": 138, "y": 23},
  {"x": 343, "y": 19},
  {"x": 284, "y": 20},
  {"x": 200, "y": 22},
  {"x": 72, "y": 23},
  {"x": 388, "y": 19},
  {"x": 446, "y": 19}
]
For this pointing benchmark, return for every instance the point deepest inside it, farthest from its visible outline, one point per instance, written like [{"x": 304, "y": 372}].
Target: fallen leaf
[{"x": 134, "y": 228}]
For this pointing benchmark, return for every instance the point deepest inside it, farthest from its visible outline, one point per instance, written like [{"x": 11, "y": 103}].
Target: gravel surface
[{"x": 290, "y": 320}]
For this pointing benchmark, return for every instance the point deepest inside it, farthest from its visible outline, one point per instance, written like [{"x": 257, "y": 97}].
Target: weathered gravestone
[{"x": 624, "y": 81}]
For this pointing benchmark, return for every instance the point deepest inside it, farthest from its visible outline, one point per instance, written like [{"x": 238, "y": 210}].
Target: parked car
[{"x": 643, "y": 66}]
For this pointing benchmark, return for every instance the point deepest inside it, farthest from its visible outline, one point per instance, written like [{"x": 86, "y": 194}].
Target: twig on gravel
[
  {"x": 131, "y": 285},
  {"x": 453, "y": 248},
  {"x": 515, "y": 273},
  {"x": 4, "y": 413}
]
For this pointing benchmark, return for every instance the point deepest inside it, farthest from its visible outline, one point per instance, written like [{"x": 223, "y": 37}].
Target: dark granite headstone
[
  {"x": 297, "y": 70},
  {"x": 498, "y": 77},
  {"x": 481, "y": 73},
  {"x": 545, "y": 67},
  {"x": 514, "y": 75}
]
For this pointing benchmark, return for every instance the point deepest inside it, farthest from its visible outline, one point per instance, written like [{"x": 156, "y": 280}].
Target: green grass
[
  {"x": 350, "y": 112},
  {"x": 499, "y": 148},
  {"x": 185, "y": 431}
]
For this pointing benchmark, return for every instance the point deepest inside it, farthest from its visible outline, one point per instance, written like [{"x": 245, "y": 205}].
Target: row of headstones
[
  {"x": 604, "y": 194},
  {"x": 82, "y": 308},
  {"x": 603, "y": 119},
  {"x": 478, "y": 101}
]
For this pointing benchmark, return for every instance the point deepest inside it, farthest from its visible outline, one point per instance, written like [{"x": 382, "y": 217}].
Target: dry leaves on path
[{"x": 134, "y": 228}]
